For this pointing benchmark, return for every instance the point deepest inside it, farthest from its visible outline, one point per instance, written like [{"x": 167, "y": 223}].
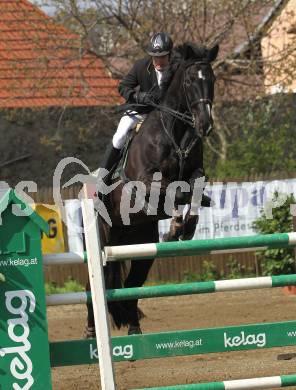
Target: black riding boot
[{"x": 111, "y": 158}]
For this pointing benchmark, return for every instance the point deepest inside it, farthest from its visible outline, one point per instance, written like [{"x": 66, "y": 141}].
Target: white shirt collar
[{"x": 158, "y": 76}]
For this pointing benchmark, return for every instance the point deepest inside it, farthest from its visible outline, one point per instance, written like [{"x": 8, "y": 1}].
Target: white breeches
[{"x": 126, "y": 123}]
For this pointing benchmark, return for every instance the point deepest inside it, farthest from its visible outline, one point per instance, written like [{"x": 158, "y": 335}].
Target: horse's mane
[{"x": 184, "y": 53}]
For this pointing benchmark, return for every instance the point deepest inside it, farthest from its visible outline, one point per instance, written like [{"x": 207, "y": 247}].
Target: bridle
[
  {"x": 183, "y": 153},
  {"x": 187, "y": 82},
  {"x": 186, "y": 116}
]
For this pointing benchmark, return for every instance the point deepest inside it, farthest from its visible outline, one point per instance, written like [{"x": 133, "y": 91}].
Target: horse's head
[{"x": 198, "y": 85}]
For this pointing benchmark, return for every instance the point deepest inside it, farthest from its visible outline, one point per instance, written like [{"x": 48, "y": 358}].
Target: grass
[{"x": 69, "y": 286}]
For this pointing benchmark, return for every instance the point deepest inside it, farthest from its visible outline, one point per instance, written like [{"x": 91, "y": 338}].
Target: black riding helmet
[{"x": 160, "y": 44}]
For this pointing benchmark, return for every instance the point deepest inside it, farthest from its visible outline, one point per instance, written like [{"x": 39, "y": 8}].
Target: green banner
[
  {"x": 189, "y": 342},
  {"x": 24, "y": 349}
]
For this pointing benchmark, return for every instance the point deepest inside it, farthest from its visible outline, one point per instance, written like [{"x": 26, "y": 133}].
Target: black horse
[{"x": 169, "y": 143}]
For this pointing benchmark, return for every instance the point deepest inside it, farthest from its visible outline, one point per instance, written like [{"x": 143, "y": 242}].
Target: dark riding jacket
[{"x": 141, "y": 75}]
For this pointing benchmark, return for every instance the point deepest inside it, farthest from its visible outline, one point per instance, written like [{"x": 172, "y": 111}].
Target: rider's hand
[{"x": 142, "y": 97}]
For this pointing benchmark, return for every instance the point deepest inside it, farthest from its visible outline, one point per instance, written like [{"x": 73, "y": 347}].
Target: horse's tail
[{"x": 115, "y": 273}]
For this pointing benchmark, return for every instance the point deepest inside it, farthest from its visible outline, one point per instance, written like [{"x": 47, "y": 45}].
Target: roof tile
[{"x": 41, "y": 63}]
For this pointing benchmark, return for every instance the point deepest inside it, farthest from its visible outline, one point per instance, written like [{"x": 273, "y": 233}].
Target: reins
[
  {"x": 182, "y": 116},
  {"x": 181, "y": 153}
]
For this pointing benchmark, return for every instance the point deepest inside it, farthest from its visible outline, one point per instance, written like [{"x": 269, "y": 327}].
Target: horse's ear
[
  {"x": 187, "y": 50},
  {"x": 212, "y": 53},
  {"x": 191, "y": 51}
]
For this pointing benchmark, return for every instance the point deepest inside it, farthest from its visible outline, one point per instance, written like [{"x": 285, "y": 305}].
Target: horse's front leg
[
  {"x": 176, "y": 228},
  {"x": 183, "y": 227},
  {"x": 190, "y": 222}
]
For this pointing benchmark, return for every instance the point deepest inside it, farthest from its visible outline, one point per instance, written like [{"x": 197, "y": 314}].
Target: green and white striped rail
[
  {"x": 180, "y": 248},
  {"x": 200, "y": 247},
  {"x": 65, "y": 258},
  {"x": 176, "y": 289},
  {"x": 270, "y": 382}
]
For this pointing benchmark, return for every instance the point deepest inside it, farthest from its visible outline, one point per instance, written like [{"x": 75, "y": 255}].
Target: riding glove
[{"x": 144, "y": 98}]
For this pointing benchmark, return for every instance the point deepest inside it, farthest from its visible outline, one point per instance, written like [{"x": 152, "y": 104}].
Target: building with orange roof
[
  {"x": 279, "y": 51},
  {"x": 42, "y": 64}
]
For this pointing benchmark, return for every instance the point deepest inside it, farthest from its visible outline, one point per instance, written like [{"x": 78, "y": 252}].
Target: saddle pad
[{"x": 139, "y": 124}]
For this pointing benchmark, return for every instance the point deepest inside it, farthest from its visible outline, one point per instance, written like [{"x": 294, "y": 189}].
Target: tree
[
  {"x": 262, "y": 138},
  {"x": 118, "y": 31},
  {"x": 277, "y": 261}
]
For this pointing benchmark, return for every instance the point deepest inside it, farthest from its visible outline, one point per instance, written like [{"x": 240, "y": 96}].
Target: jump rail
[
  {"x": 176, "y": 289},
  {"x": 199, "y": 247},
  {"x": 180, "y": 248},
  {"x": 270, "y": 382}
]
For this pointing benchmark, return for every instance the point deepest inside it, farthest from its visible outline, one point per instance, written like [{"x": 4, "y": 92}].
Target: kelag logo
[
  {"x": 125, "y": 351},
  {"x": 21, "y": 366},
  {"x": 243, "y": 339}
]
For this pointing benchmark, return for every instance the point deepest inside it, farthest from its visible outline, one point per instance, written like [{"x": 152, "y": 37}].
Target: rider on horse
[
  {"x": 142, "y": 87},
  {"x": 164, "y": 163},
  {"x": 146, "y": 74}
]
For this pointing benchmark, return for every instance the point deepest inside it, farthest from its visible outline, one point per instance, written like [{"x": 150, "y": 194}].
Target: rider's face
[{"x": 160, "y": 62}]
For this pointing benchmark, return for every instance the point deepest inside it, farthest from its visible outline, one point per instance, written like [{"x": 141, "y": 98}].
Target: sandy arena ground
[{"x": 177, "y": 313}]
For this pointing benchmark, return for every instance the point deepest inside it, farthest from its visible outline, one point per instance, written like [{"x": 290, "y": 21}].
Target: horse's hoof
[
  {"x": 187, "y": 236},
  {"x": 286, "y": 356},
  {"x": 134, "y": 330},
  {"x": 167, "y": 237},
  {"x": 206, "y": 201},
  {"x": 89, "y": 332}
]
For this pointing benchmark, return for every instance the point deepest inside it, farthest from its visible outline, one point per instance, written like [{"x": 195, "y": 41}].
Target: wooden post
[{"x": 96, "y": 277}]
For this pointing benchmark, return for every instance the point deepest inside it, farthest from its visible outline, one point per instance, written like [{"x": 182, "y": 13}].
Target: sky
[{"x": 48, "y": 9}]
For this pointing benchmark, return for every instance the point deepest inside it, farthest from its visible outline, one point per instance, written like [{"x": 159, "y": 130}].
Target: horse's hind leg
[
  {"x": 136, "y": 278},
  {"x": 90, "y": 330},
  {"x": 138, "y": 273}
]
